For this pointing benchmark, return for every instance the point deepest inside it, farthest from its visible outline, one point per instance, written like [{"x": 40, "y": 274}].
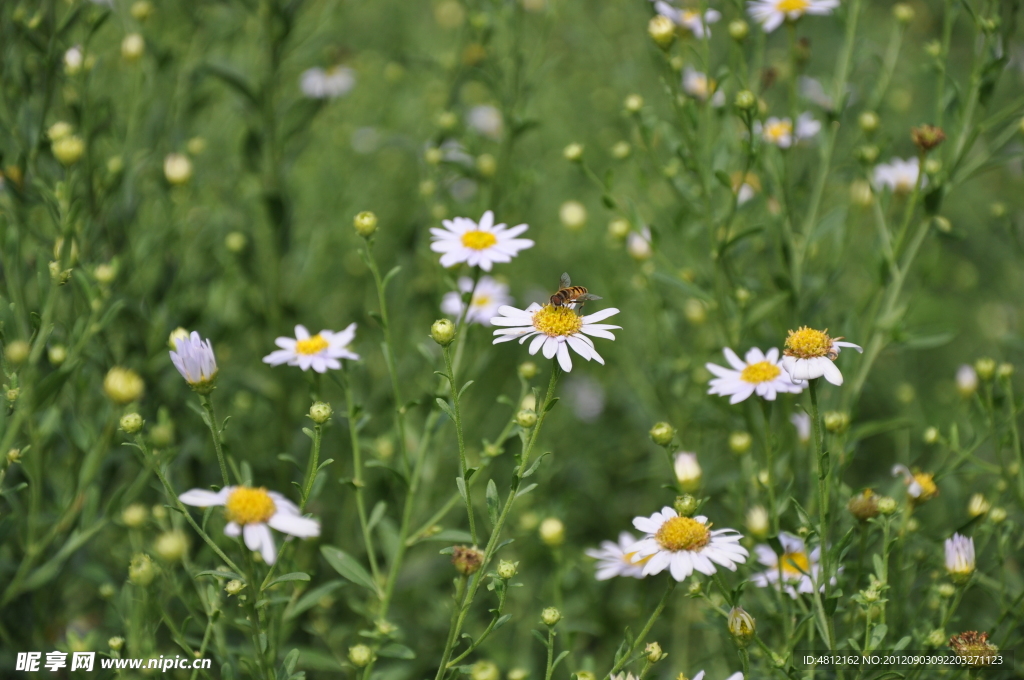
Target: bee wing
[
  {"x": 587, "y": 297},
  {"x": 564, "y": 282}
]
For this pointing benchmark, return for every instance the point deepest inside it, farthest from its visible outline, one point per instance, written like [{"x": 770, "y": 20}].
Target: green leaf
[
  {"x": 446, "y": 408},
  {"x": 293, "y": 576},
  {"x": 501, "y": 622},
  {"x": 877, "y": 635},
  {"x": 311, "y": 598},
  {"x": 376, "y": 514},
  {"x": 492, "y": 502},
  {"x": 450, "y": 536},
  {"x": 723, "y": 178},
  {"x": 525, "y": 490},
  {"x": 533, "y": 467},
  {"x": 390, "y": 275},
  {"x": 348, "y": 567},
  {"x": 461, "y": 484},
  {"x": 221, "y": 574},
  {"x": 559, "y": 658},
  {"x": 393, "y": 650},
  {"x": 465, "y": 387},
  {"x": 231, "y": 77},
  {"x": 550, "y": 405}
]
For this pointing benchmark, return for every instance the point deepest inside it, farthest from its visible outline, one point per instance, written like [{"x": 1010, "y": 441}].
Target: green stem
[
  {"x": 639, "y": 640},
  {"x": 766, "y": 408},
  {"x": 357, "y": 474},
  {"x": 824, "y": 482},
  {"x": 457, "y": 411},
  {"x": 549, "y": 668},
  {"x": 460, "y": 598},
  {"x": 211, "y": 422}
]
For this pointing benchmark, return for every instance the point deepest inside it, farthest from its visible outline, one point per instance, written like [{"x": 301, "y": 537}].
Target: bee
[{"x": 570, "y": 294}]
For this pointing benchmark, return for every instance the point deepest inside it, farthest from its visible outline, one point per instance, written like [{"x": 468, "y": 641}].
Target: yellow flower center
[
  {"x": 807, "y": 343},
  {"x": 762, "y": 371},
  {"x": 689, "y": 16},
  {"x": 311, "y": 345},
  {"x": 904, "y": 184},
  {"x": 793, "y": 5},
  {"x": 778, "y": 129},
  {"x": 699, "y": 86},
  {"x": 479, "y": 240},
  {"x": 628, "y": 559},
  {"x": 683, "y": 533},
  {"x": 480, "y": 301},
  {"x": 246, "y": 505},
  {"x": 795, "y": 564},
  {"x": 927, "y": 483},
  {"x": 557, "y": 321}
]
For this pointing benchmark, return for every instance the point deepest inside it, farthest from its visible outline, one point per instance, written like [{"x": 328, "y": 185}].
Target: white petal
[
  {"x": 201, "y": 498},
  {"x": 303, "y": 527}
]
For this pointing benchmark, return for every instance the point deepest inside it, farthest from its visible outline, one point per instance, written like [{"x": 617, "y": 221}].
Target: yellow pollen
[
  {"x": 762, "y": 371},
  {"x": 683, "y": 533},
  {"x": 557, "y": 321},
  {"x": 250, "y": 506},
  {"x": 795, "y": 564},
  {"x": 793, "y": 6},
  {"x": 807, "y": 343},
  {"x": 778, "y": 130},
  {"x": 478, "y": 240},
  {"x": 311, "y": 345},
  {"x": 927, "y": 483}
]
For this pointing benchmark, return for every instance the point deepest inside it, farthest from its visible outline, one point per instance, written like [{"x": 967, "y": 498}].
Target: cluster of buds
[{"x": 927, "y": 137}]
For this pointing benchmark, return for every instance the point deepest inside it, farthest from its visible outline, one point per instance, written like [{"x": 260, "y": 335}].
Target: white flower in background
[
  {"x": 687, "y": 469},
  {"x": 758, "y": 373},
  {"x": 966, "y": 380},
  {"x": 486, "y": 120},
  {"x": 623, "y": 676},
  {"x": 195, "y": 361},
  {"x": 797, "y": 568},
  {"x": 779, "y": 131},
  {"x": 555, "y": 330},
  {"x": 638, "y": 245},
  {"x": 73, "y": 60},
  {"x": 687, "y": 18},
  {"x": 698, "y": 86},
  {"x": 960, "y": 557},
  {"x": 813, "y": 91},
  {"x": 898, "y": 175},
  {"x": 319, "y": 352},
  {"x": 685, "y": 544},
  {"x": 251, "y": 513},
  {"x": 614, "y": 559},
  {"x": 771, "y": 13},
  {"x": 920, "y": 486},
  {"x": 802, "y": 423},
  {"x": 478, "y": 244},
  {"x": 744, "y": 186},
  {"x": 586, "y": 397},
  {"x": 487, "y": 298},
  {"x": 735, "y": 676},
  {"x": 810, "y": 354},
  {"x": 318, "y": 83}
]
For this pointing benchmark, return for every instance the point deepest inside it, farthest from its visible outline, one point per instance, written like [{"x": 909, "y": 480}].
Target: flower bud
[
  {"x": 837, "y": 421},
  {"x": 985, "y": 367},
  {"x": 552, "y": 532},
  {"x": 978, "y": 506},
  {"x": 931, "y": 435},
  {"x": 887, "y": 505},
  {"x": 653, "y": 652},
  {"x": 135, "y": 515},
  {"x": 739, "y": 30},
  {"x": 59, "y": 130},
  {"x": 132, "y": 47},
  {"x": 662, "y": 31},
  {"x": 234, "y": 587},
  {"x": 573, "y": 215},
  {"x": 360, "y": 655},
  {"x": 966, "y": 381},
  {"x": 171, "y": 546},
  {"x": 68, "y": 150},
  {"x": 573, "y": 152},
  {"x": 141, "y": 570},
  {"x": 745, "y": 100},
  {"x": 527, "y": 370},
  {"x": 12, "y": 394},
  {"x": 526, "y": 419},
  {"x": 105, "y": 273},
  {"x": 739, "y": 442},
  {"x": 932, "y": 166},
  {"x": 580, "y": 675},
  {"x": 662, "y": 434},
  {"x": 506, "y": 569},
  {"x": 863, "y": 506},
  {"x": 123, "y": 385},
  {"x": 177, "y": 168},
  {"x": 867, "y": 153},
  {"x": 903, "y": 12},
  {"x": 16, "y": 352},
  {"x": 618, "y": 229},
  {"x": 320, "y": 412},
  {"x": 997, "y": 515},
  {"x": 443, "y": 332},
  {"x": 365, "y": 223},
  {"x": 868, "y": 121},
  {"x": 57, "y": 354},
  {"x": 467, "y": 560},
  {"x": 115, "y": 643},
  {"x": 633, "y": 103},
  {"x": 131, "y": 423},
  {"x": 550, "y": 616},
  {"x": 927, "y": 137},
  {"x": 484, "y": 670},
  {"x": 486, "y": 164},
  {"x": 1004, "y": 370},
  {"x": 141, "y": 9},
  {"x": 757, "y": 521},
  {"x": 686, "y": 505},
  {"x": 13, "y": 456},
  {"x": 741, "y": 626},
  {"x": 688, "y": 471},
  {"x": 235, "y": 241},
  {"x": 107, "y": 591},
  {"x": 621, "y": 150}
]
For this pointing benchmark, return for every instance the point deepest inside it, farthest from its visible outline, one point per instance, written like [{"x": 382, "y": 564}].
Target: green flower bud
[
  {"x": 526, "y": 418},
  {"x": 653, "y": 652},
  {"x": 550, "y": 616},
  {"x": 131, "y": 423},
  {"x": 17, "y": 352},
  {"x": 662, "y": 434},
  {"x": 686, "y": 505},
  {"x": 360, "y": 655},
  {"x": 573, "y": 152},
  {"x": 746, "y": 100},
  {"x": 527, "y": 370},
  {"x": 141, "y": 570},
  {"x": 662, "y": 31},
  {"x": 115, "y": 643},
  {"x": 506, "y": 569},
  {"x": 234, "y": 587},
  {"x": 739, "y": 442},
  {"x": 739, "y": 30},
  {"x": 741, "y": 626},
  {"x": 868, "y": 121},
  {"x": 443, "y": 332},
  {"x": 320, "y": 412},
  {"x": 365, "y": 224},
  {"x": 887, "y": 505}
]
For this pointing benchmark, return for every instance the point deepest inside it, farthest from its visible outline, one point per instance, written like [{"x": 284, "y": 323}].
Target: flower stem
[
  {"x": 766, "y": 409},
  {"x": 211, "y": 421},
  {"x": 446, "y": 351},
  {"x": 824, "y": 482},
  {"x": 307, "y": 488},
  {"x": 357, "y": 473},
  {"x": 639, "y": 639}
]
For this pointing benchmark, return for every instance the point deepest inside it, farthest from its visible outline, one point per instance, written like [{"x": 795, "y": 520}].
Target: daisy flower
[
  {"x": 811, "y": 354},
  {"x": 614, "y": 559},
  {"x": 960, "y": 557},
  {"x": 699, "y": 86},
  {"x": 251, "y": 513},
  {"x": 638, "y": 245},
  {"x": 478, "y": 244},
  {"x": 898, "y": 175},
  {"x": 487, "y": 298},
  {"x": 685, "y": 544},
  {"x": 555, "y": 329},
  {"x": 758, "y": 373},
  {"x": 317, "y": 83},
  {"x": 797, "y": 569},
  {"x": 920, "y": 486},
  {"x": 966, "y": 380},
  {"x": 688, "y": 19},
  {"x": 319, "y": 352},
  {"x": 744, "y": 186},
  {"x": 486, "y": 120},
  {"x": 771, "y": 13},
  {"x": 195, "y": 361},
  {"x": 779, "y": 131}
]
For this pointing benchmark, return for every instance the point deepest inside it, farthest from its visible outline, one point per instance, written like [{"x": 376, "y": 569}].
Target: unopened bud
[
  {"x": 123, "y": 385},
  {"x": 837, "y": 421},
  {"x": 867, "y": 153},
  {"x": 141, "y": 570},
  {"x": 16, "y": 352},
  {"x": 746, "y": 100},
  {"x": 741, "y": 626},
  {"x": 863, "y": 506},
  {"x": 936, "y": 638},
  {"x": 662, "y": 31},
  {"x": 506, "y": 569},
  {"x": 134, "y": 516},
  {"x": 365, "y": 223},
  {"x": 526, "y": 419},
  {"x": 550, "y": 616},
  {"x": 360, "y": 655},
  {"x": 887, "y": 505},
  {"x": 1004, "y": 370},
  {"x": 931, "y": 435},
  {"x": 57, "y": 354},
  {"x": 443, "y": 332},
  {"x": 177, "y": 169},
  {"x": 132, "y": 47},
  {"x": 757, "y": 521},
  {"x": 634, "y": 103},
  {"x": 234, "y": 587},
  {"x": 985, "y": 367},
  {"x": 527, "y": 370},
  {"x": 686, "y": 505},
  {"x": 115, "y": 643},
  {"x": 903, "y": 12},
  {"x": 653, "y": 652},
  {"x": 932, "y": 166},
  {"x": 739, "y": 442},
  {"x": 131, "y": 423},
  {"x": 552, "y": 532},
  {"x": 171, "y": 546},
  {"x": 927, "y": 137},
  {"x": 484, "y": 670},
  {"x": 662, "y": 434},
  {"x": 997, "y": 515},
  {"x": 320, "y": 412},
  {"x": 739, "y": 29},
  {"x": 68, "y": 150},
  {"x": 13, "y": 456},
  {"x": 868, "y": 121},
  {"x": 467, "y": 560}
]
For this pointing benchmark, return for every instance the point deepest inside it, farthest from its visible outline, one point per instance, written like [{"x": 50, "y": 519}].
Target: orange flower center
[
  {"x": 313, "y": 345},
  {"x": 683, "y": 533},
  {"x": 557, "y": 321},
  {"x": 479, "y": 240},
  {"x": 246, "y": 505},
  {"x": 762, "y": 371}
]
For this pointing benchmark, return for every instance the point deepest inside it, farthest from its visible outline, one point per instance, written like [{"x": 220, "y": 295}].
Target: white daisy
[
  {"x": 556, "y": 330},
  {"x": 195, "y": 361},
  {"x": 744, "y": 186},
  {"x": 252, "y": 512},
  {"x": 638, "y": 245},
  {"x": 771, "y": 13},
  {"x": 735, "y": 676},
  {"x": 478, "y": 244},
  {"x": 685, "y": 544},
  {"x": 898, "y": 175},
  {"x": 796, "y": 568},
  {"x": 960, "y": 561},
  {"x": 614, "y": 559},
  {"x": 779, "y": 131},
  {"x": 487, "y": 120},
  {"x": 921, "y": 486},
  {"x": 811, "y": 354},
  {"x": 758, "y": 373},
  {"x": 74, "y": 59},
  {"x": 317, "y": 83},
  {"x": 699, "y": 86},
  {"x": 487, "y": 298},
  {"x": 966, "y": 380},
  {"x": 688, "y": 19},
  {"x": 319, "y": 352}
]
